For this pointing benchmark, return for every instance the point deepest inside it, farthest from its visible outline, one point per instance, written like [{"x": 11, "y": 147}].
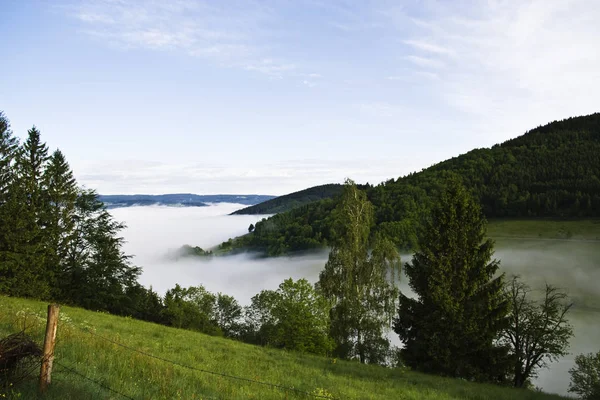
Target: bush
[{"x": 585, "y": 376}]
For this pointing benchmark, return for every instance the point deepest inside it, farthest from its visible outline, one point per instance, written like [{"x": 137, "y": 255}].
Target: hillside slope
[
  {"x": 139, "y": 376},
  {"x": 293, "y": 200},
  {"x": 552, "y": 171}
]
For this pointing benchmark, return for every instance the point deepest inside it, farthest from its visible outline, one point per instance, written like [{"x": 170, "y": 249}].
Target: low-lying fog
[{"x": 155, "y": 233}]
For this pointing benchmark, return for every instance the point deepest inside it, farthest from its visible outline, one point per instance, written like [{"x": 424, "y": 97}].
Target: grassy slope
[
  {"x": 141, "y": 377},
  {"x": 552, "y": 229}
]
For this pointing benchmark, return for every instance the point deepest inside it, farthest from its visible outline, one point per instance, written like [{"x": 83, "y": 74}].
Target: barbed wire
[
  {"x": 239, "y": 378},
  {"x": 221, "y": 374},
  {"x": 74, "y": 371}
]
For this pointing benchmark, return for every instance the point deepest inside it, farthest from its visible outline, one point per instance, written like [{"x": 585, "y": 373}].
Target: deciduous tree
[
  {"x": 538, "y": 332},
  {"x": 585, "y": 376},
  {"x": 359, "y": 280}
]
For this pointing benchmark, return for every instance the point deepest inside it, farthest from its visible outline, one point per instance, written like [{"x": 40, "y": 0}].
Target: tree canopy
[{"x": 359, "y": 280}]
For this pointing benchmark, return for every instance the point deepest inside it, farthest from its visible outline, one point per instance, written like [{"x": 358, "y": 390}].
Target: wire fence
[
  {"x": 274, "y": 386},
  {"x": 87, "y": 378},
  {"x": 205, "y": 371}
]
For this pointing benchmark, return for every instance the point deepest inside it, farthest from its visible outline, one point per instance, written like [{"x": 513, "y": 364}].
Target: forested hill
[
  {"x": 550, "y": 171},
  {"x": 293, "y": 200}
]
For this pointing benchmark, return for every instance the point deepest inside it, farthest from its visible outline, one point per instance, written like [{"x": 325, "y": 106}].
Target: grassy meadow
[
  {"x": 544, "y": 229},
  {"x": 140, "y": 377}
]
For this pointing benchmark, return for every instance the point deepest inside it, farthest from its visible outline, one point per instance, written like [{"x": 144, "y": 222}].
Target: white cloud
[
  {"x": 429, "y": 47},
  {"x": 277, "y": 178},
  {"x": 426, "y": 62},
  {"x": 524, "y": 62},
  {"x": 231, "y": 36}
]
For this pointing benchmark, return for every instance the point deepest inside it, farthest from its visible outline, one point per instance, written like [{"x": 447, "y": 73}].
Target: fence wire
[
  {"x": 87, "y": 378},
  {"x": 221, "y": 374}
]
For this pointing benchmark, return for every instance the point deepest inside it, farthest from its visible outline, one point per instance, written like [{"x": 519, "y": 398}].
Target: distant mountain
[
  {"x": 180, "y": 199},
  {"x": 293, "y": 200}
]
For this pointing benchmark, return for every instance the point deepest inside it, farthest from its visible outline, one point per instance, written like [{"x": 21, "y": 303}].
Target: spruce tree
[
  {"x": 99, "y": 274},
  {"x": 59, "y": 219},
  {"x": 451, "y": 327},
  {"x": 29, "y": 248},
  {"x": 8, "y": 152}
]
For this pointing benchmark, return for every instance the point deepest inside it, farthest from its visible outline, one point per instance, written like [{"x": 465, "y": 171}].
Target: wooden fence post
[{"x": 49, "y": 342}]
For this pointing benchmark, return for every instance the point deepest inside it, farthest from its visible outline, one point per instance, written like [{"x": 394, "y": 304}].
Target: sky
[{"x": 274, "y": 96}]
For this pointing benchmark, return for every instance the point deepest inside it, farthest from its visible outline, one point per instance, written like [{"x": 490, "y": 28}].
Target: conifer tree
[
  {"x": 27, "y": 236},
  {"x": 452, "y": 326},
  {"x": 61, "y": 195},
  {"x": 8, "y": 153},
  {"x": 98, "y": 273}
]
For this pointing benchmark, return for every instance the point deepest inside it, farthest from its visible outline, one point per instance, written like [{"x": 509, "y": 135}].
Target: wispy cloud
[
  {"x": 429, "y": 47},
  {"x": 525, "y": 62},
  {"x": 230, "y": 35},
  {"x": 138, "y": 176},
  {"x": 426, "y": 62}
]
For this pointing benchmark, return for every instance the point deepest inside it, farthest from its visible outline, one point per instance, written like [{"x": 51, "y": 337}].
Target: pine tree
[
  {"x": 29, "y": 249},
  {"x": 359, "y": 280},
  {"x": 452, "y": 326},
  {"x": 8, "y": 152},
  {"x": 60, "y": 197},
  {"x": 98, "y": 274}
]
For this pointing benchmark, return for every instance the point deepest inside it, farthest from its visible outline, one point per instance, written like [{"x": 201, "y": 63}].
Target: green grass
[
  {"x": 549, "y": 229},
  {"x": 141, "y": 377}
]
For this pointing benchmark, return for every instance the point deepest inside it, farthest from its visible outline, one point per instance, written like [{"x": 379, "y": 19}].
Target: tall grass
[{"x": 141, "y": 377}]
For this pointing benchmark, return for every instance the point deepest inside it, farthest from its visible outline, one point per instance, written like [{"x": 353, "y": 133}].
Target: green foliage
[
  {"x": 585, "y": 376},
  {"x": 538, "y": 331},
  {"x": 293, "y": 200},
  {"x": 451, "y": 326},
  {"x": 304, "y": 228},
  {"x": 551, "y": 171},
  {"x": 57, "y": 241},
  {"x": 359, "y": 283},
  {"x": 294, "y": 317},
  {"x": 228, "y": 315},
  {"x": 191, "y": 308},
  {"x": 187, "y": 250}
]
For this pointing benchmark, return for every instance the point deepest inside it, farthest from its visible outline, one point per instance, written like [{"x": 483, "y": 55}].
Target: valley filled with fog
[{"x": 154, "y": 235}]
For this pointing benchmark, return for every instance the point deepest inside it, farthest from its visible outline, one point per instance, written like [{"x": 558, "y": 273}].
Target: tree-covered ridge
[
  {"x": 293, "y": 200},
  {"x": 550, "y": 171}
]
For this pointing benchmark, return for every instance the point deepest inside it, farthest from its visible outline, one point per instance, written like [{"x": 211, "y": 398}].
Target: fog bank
[{"x": 155, "y": 233}]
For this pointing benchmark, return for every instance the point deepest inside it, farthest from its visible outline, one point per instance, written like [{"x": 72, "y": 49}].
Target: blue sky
[{"x": 235, "y": 96}]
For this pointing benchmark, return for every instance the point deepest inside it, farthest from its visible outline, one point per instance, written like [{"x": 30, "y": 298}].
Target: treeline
[
  {"x": 293, "y": 317},
  {"x": 551, "y": 171}
]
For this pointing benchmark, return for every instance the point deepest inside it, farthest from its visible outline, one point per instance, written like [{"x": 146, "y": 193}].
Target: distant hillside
[
  {"x": 180, "y": 199},
  {"x": 552, "y": 171},
  {"x": 293, "y": 200}
]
